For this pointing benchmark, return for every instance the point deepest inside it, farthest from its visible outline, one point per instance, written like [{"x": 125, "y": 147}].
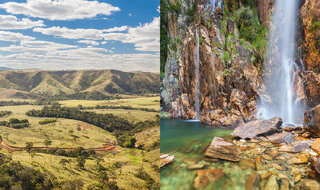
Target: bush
[{"x": 46, "y": 121}]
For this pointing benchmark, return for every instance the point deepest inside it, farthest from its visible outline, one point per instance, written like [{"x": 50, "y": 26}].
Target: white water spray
[
  {"x": 197, "y": 88},
  {"x": 280, "y": 67}
]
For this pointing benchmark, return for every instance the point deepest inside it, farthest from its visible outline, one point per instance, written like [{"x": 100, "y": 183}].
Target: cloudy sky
[{"x": 80, "y": 34}]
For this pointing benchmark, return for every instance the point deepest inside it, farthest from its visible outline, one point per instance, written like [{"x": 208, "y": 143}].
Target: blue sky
[{"x": 80, "y": 34}]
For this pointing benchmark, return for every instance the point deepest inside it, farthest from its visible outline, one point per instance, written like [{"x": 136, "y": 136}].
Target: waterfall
[
  {"x": 197, "y": 88},
  {"x": 280, "y": 98}
]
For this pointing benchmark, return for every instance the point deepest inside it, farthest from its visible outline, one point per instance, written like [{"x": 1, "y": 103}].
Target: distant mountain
[
  {"x": 5, "y": 69},
  {"x": 76, "y": 84}
]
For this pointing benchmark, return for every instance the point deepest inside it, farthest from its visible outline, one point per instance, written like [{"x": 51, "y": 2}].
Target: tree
[
  {"x": 0, "y": 138},
  {"x": 29, "y": 146},
  {"x": 130, "y": 143},
  {"x": 63, "y": 162},
  {"x": 47, "y": 142},
  {"x": 81, "y": 161}
]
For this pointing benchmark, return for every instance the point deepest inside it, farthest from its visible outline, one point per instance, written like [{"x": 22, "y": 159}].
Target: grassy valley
[{"x": 68, "y": 152}]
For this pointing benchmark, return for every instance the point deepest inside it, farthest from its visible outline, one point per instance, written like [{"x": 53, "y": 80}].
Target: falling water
[
  {"x": 281, "y": 99},
  {"x": 197, "y": 89}
]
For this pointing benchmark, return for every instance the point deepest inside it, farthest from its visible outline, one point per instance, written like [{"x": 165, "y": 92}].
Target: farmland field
[{"x": 123, "y": 165}]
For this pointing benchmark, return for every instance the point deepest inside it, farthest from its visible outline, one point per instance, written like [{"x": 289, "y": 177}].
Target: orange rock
[
  {"x": 298, "y": 159},
  {"x": 246, "y": 163},
  {"x": 266, "y": 175},
  {"x": 204, "y": 177},
  {"x": 316, "y": 145},
  {"x": 252, "y": 182},
  {"x": 258, "y": 161}
]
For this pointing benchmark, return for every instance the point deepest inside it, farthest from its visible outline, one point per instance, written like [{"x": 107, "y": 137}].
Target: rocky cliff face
[
  {"x": 309, "y": 46},
  {"x": 228, "y": 78},
  {"x": 265, "y": 9},
  {"x": 231, "y": 63}
]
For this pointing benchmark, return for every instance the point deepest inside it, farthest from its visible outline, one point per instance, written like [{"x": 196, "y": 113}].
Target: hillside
[{"x": 93, "y": 84}]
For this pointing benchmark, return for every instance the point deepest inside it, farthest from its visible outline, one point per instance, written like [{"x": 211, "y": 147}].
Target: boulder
[
  {"x": 204, "y": 177},
  {"x": 284, "y": 137},
  {"x": 256, "y": 128},
  {"x": 312, "y": 121},
  {"x": 221, "y": 149}
]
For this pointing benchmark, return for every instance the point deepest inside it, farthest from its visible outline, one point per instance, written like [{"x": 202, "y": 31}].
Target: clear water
[
  {"x": 280, "y": 67},
  {"x": 189, "y": 140}
]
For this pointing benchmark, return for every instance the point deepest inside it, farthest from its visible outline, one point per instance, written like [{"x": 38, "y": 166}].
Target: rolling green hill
[{"x": 76, "y": 84}]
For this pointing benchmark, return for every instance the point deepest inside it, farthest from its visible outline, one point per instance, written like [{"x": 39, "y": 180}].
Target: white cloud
[
  {"x": 80, "y": 33},
  {"x": 130, "y": 14},
  {"x": 52, "y": 58},
  {"x": 12, "y": 22},
  {"x": 94, "y": 43},
  {"x": 158, "y": 9},
  {"x": 104, "y": 42},
  {"x": 60, "y": 9},
  {"x": 145, "y": 37},
  {"x": 14, "y": 37}
]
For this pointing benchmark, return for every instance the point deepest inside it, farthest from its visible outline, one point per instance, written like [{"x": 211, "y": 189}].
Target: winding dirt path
[{"x": 14, "y": 148}]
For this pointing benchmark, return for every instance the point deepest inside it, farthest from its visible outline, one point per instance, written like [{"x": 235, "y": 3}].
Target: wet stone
[
  {"x": 221, "y": 149},
  {"x": 284, "y": 184},
  {"x": 196, "y": 166},
  {"x": 272, "y": 183},
  {"x": 252, "y": 182},
  {"x": 204, "y": 177},
  {"x": 247, "y": 163}
]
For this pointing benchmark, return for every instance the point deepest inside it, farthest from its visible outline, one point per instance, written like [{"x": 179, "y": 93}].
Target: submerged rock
[
  {"x": 252, "y": 182},
  {"x": 308, "y": 184},
  {"x": 204, "y": 177},
  {"x": 298, "y": 159},
  {"x": 256, "y": 128},
  {"x": 196, "y": 166},
  {"x": 221, "y": 149},
  {"x": 272, "y": 183}
]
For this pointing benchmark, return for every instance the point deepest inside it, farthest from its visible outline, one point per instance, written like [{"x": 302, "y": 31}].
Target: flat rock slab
[
  {"x": 256, "y": 128},
  {"x": 297, "y": 146},
  {"x": 284, "y": 137},
  {"x": 221, "y": 149}
]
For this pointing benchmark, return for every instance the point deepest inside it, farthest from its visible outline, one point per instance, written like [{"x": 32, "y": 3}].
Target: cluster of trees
[
  {"x": 121, "y": 128},
  {"x": 5, "y": 113},
  {"x": 13, "y": 175},
  {"x": 15, "y": 123},
  {"x": 117, "y": 107},
  {"x": 108, "y": 122},
  {"x": 72, "y": 153},
  {"x": 46, "y": 121},
  {"x": 14, "y": 103}
]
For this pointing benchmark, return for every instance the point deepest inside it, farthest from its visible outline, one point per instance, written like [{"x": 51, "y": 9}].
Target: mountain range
[{"x": 76, "y": 84}]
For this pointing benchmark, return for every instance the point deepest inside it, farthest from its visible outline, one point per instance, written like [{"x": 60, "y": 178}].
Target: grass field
[
  {"x": 63, "y": 133},
  {"x": 130, "y": 115},
  {"x": 124, "y": 163}
]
